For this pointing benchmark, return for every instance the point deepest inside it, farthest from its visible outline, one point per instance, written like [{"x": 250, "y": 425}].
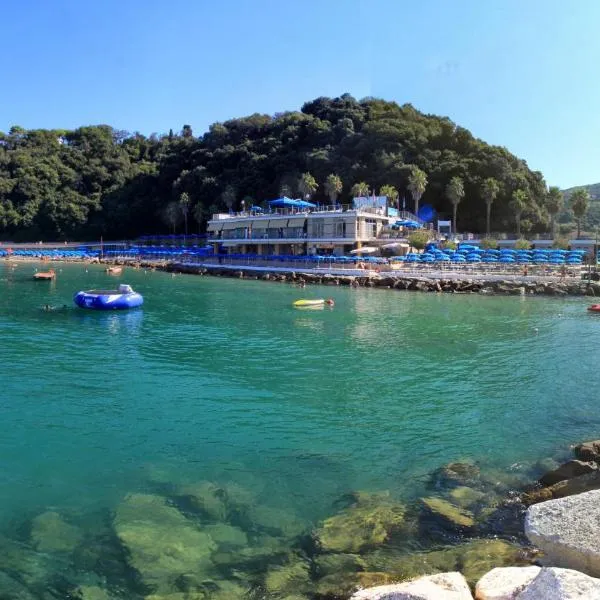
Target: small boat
[
  {"x": 594, "y": 308},
  {"x": 114, "y": 270},
  {"x": 120, "y": 299},
  {"x": 45, "y": 275},
  {"x": 317, "y": 302}
]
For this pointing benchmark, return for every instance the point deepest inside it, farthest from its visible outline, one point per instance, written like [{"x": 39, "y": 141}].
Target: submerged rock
[
  {"x": 293, "y": 577},
  {"x": 566, "y": 530},
  {"x": 448, "y": 515},
  {"x": 11, "y": 588},
  {"x": 368, "y": 522},
  {"x": 455, "y": 474},
  {"x": 466, "y": 497},
  {"x": 472, "y": 559},
  {"x": 443, "y": 586},
  {"x": 162, "y": 545},
  {"x": 90, "y": 592},
  {"x": 275, "y": 521},
  {"x": 51, "y": 533},
  {"x": 480, "y": 556},
  {"x": 226, "y": 536},
  {"x": 207, "y": 498}
]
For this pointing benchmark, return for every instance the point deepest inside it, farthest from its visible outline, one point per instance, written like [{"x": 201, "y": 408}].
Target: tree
[
  {"x": 229, "y": 196},
  {"x": 184, "y": 203},
  {"x": 419, "y": 239},
  {"x": 580, "y": 203},
  {"x": 360, "y": 190},
  {"x": 455, "y": 192},
  {"x": 417, "y": 182},
  {"x": 390, "y": 192},
  {"x": 333, "y": 187},
  {"x": 518, "y": 205},
  {"x": 489, "y": 190},
  {"x": 285, "y": 191},
  {"x": 172, "y": 215},
  {"x": 187, "y": 132},
  {"x": 554, "y": 204},
  {"x": 307, "y": 185},
  {"x": 199, "y": 213}
]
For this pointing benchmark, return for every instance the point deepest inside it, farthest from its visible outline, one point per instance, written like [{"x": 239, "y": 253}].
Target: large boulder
[
  {"x": 561, "y": 584},
  {"x": 505, "y": 583},
  {"x": 566, "y": 530},
  {"x": 443, "y": 586},
  {"x": 161, "y": 544},
  {"x": 588, "y": 451},
  {"x": 573, "y": 468}
]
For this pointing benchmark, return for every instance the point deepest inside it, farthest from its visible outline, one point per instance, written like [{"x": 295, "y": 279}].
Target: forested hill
[
  {"x": 95, "y": 180},
  {"x": 593, "y": 189}
]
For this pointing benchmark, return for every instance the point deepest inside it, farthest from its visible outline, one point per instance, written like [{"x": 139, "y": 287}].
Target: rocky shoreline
[
  {"x": 491, "y": 285},
  {"x": 562, "y": 521}
]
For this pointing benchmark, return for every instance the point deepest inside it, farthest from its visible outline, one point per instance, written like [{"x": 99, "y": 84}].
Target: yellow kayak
[{"x": 317, "y": 302}]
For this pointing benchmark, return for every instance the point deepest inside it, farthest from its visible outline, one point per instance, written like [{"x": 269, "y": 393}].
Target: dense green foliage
[{"x": 98, "y": 181}]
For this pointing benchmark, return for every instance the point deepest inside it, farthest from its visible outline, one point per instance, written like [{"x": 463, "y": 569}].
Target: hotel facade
[{"x": 300, "y": 231}]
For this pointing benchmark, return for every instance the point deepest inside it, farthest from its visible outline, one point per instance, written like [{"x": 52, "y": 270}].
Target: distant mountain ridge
[{"x": 592, "y": 188}]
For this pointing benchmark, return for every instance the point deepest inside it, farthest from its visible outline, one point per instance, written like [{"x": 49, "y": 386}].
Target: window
[{"x": 318, "y": 229}]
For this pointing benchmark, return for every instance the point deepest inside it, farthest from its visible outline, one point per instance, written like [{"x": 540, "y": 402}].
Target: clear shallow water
[{"x": 222, "y": 380}]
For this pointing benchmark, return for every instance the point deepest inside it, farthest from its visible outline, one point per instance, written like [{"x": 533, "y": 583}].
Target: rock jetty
[{"x": 477, "y": 284}]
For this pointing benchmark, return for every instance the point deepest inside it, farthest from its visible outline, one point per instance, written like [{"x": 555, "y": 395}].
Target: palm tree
[
  {"x": 417, "y": 182},
  {"x": 580, "y": 202},
  {"x": 307, "y": 185},
  {"x": 518, "y": 204},
  {"x": 229, "y": 196},
  {"x": 360, "y": 190},
  {"x": 455, "y": 192},
  {"x": 489, "y": 191},
  {"x": 333, "y": 187},
  {"x": 198, "y": 213},
  {"x": 391, "y": 192},
  {"x": 285, "y": 191},
  {"x": 184, "y": 204},
  {"x": 172, "y": 214},
  {"x": 554, "y": 204}
]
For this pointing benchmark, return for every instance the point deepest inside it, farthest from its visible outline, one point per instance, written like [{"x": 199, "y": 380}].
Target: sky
[{"x": 518, "y": 73}]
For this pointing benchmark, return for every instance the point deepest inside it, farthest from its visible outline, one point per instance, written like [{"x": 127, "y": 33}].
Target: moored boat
[
  {"x": 120, "y": 299},
  {"x": 114, "y": 270},
  {"x": 594, "y": 308},
  {"x": 44, "y": 275}
]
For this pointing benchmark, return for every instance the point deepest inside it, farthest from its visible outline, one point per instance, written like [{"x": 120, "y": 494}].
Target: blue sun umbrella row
[
  {"x": 50, "y": 254},
  {"x": 472, "y": 254}
]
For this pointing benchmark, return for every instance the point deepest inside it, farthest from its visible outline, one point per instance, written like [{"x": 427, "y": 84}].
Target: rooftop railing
[{"x": 319, "y": 209}]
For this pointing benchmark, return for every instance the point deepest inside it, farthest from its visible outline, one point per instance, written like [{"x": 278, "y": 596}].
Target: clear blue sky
[{"x": 518, "y": 73}]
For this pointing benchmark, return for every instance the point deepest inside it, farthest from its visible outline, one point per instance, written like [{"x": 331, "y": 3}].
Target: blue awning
[{"x": 286, "y": 202}]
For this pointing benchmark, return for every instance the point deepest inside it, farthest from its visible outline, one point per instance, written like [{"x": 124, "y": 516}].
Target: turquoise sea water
[{"x": 222, "y": 380}]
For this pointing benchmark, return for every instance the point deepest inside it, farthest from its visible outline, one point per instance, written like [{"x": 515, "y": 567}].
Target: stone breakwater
[{"x": 478, "y": 284}]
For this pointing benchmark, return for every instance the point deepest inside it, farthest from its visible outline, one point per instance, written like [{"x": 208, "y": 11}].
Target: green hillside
[
  {"x": 593, "y": 189},
  {"x": 96, "y": 180}
]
